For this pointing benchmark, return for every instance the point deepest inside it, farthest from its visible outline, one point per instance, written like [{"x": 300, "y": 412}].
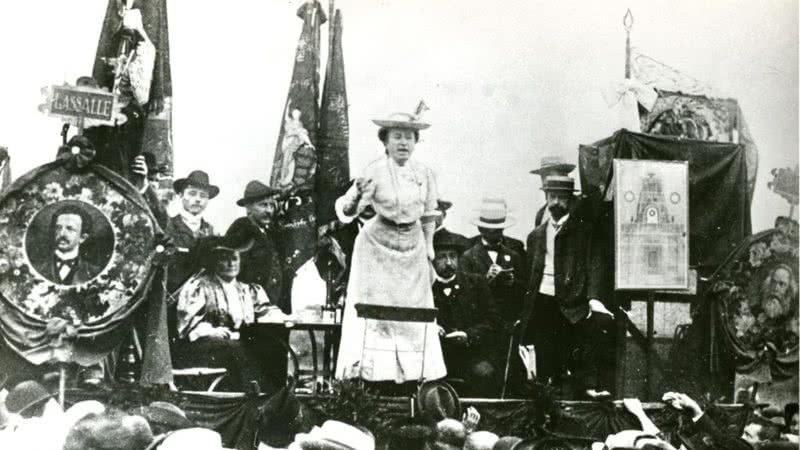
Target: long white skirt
[{"x": 390, "y": 267}]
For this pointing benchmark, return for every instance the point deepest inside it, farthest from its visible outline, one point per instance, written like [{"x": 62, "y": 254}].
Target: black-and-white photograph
[{"x": 399, "y": 224}]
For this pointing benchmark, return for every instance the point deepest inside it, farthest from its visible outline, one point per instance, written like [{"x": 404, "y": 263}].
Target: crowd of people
[{"x": 31, "y": 418}]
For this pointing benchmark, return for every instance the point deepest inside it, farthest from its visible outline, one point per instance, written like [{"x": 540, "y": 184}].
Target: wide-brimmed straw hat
[
  {"x": 437, "y": 400},
  {"x": 199, "y": 179},
  {"x": 558, "y": 183},
  {"x": 255, "y": 191},
  {"x": 494, "y": 213},
  {"x": 553, "y": 163},
  {"x": 401, "y": 120}
]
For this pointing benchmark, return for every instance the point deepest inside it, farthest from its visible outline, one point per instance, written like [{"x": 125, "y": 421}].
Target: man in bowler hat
[
  {"x": 467, "y": 318},
  {"x": 562, "y": 316},
  {"x": 188, "y": 225},
  {"x": 262, "y": 264}
]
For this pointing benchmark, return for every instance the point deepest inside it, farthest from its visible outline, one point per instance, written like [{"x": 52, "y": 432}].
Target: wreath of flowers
[{"x": 751, "y": 334}]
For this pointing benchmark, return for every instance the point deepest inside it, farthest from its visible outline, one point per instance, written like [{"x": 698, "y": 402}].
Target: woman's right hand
[{"x": 363, "y": 185}]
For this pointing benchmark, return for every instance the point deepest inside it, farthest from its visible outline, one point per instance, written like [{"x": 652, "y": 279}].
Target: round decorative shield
[
  {"x": 76, "y": 251},
  {"x": 757, "y": 294},
  {"x": 72, "y": 246}
]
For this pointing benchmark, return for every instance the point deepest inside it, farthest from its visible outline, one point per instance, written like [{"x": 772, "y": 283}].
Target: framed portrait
[
  {"x": 76, "y": 251},
  {"x": 651, "y": 224}
]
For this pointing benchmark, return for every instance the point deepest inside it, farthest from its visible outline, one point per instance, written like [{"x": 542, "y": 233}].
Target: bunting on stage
[
  {"x": 295, "y": 162},
  {"x": 333, "y": 172}
]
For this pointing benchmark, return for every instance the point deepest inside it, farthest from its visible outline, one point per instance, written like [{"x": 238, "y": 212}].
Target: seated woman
[{"x": 212, "y": 307}]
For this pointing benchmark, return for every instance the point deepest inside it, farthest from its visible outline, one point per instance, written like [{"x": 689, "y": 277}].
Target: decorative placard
[
  {"x": 94, "y": 106},
  {"x": 651, "y": 224}
]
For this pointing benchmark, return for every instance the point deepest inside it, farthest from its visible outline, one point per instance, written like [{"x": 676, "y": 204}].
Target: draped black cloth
[{"x": 719, "y": 207}]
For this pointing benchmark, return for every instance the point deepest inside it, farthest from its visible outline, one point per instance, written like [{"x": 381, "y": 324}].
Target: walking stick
[{"x": 508, "y": 358}]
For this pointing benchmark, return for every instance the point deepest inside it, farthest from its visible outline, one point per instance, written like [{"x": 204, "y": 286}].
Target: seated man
[
  {"x": 212, "y": 308},
  {"x": 467, "y": 320}
]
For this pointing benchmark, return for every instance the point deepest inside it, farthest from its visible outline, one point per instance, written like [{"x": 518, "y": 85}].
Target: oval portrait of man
[
  {"x": 69, "y": 242},
  {"x": 769, "y": 314}
]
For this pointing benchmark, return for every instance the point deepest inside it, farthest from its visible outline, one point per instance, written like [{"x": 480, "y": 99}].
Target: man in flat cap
[
  {"x": 468, "y": 319},
  {"x": 562, "y": 316}
]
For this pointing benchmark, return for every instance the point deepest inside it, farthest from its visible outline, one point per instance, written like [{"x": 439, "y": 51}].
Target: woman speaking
[{"x": 391, "y": 262}]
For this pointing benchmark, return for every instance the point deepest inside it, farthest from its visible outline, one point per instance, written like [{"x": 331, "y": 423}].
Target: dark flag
[
  {"x": 295, "y": 162},
  {"x": 124, "y": 63},
  {"x": 333, "y": 171}
]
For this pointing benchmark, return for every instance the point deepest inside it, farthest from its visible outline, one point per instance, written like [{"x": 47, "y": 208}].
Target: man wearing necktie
[
  {"x": 71, "y": 226},
  {"x": 563, "y": 316},
  {"x": 467, "y": 318},
  {"x": 492, "y": 257}
]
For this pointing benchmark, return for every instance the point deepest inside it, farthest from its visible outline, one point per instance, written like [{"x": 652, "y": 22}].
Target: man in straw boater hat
[
  {"x": 188, "y": 225},
  {"x": 467, "y": 318},
  {"x": 495, "y": 259},
  {"x": 563, "y": 316}
]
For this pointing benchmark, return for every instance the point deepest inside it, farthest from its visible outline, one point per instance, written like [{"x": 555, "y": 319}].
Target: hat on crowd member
[
  {"x": 402, "y": 121},
  {"x": 112, "y": 430},
  {"x": 26, "y": 395},
  {"x": 494, "y": 213},
  {"x": 205, "y": 252},
  {"x": 255, "y": 191},
  {"x": 199, "y": 179},
  {"x": 281, "y": 418},
  {"x": 437, "y": 400},
  {"x": 559, "y": 183},
  {"x": 480, "y": 440},
  {"x": 444, "y": 239},
  {"x": 333, "y": 435},
  {"x": 443, "y": 205},
  {"x": 553, "y": 163},
  {"x": 164, "y": 417},
  {"x": 507, "y": 443},
  {"x": 192, "y": 438}
]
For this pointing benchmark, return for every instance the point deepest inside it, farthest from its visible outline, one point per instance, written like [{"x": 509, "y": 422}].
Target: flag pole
[{"x": 627, "y": 22}]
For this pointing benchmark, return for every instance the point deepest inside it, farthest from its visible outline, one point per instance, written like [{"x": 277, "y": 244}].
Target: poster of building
[{"x": 651, "y": 220}]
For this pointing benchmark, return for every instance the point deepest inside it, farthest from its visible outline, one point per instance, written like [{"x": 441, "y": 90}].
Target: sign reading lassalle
[{"x": 81, "y": 102}]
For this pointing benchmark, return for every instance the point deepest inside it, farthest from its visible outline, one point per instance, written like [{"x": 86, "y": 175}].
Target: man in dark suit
[
  {"x": 497, "y": 260},
  {"x": 563, "y": 317},
  {"x": 262, "y": 264},
  {"x": 70, "y": 227},
  {"x": 188, "y": 225},
  {"x": 468, "y": 321}
]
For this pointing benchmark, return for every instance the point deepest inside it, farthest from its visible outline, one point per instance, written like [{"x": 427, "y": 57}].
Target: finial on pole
[{"x": 627, "y": 22}]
